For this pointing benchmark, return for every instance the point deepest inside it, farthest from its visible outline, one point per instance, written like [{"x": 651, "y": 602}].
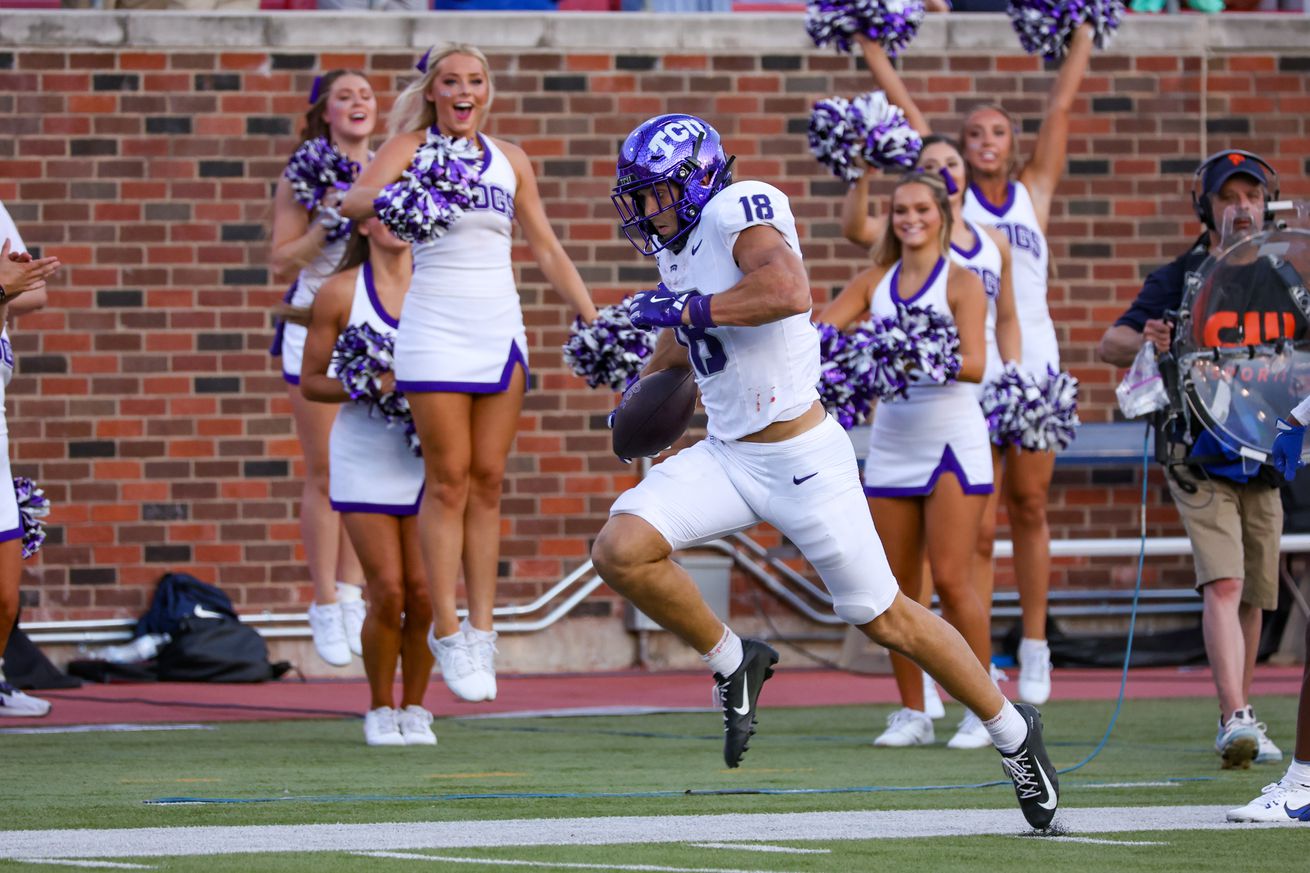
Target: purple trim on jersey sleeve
[
  {"x": 14, "y": 534},
  {"x": 401, "y": 510},
  {"x": 290, "y": 378},
  {"x": 948, "y": 464},
  {"x": 515, "y": 357},
  {"x": 998, "y": 211},
  {"x": 896, "y": 280},
  {"x": 275, "y": 349},
  {"x": 977, "y": 243},
  {"x": 372, "y": 290}
]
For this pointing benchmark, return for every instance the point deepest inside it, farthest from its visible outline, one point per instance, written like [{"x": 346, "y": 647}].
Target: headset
[{"x": 1201, "y": 201}]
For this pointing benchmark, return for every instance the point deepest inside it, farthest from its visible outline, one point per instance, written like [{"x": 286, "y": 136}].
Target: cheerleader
[
  {"x": 461, "y": 351},
  {"x": 984, "y": 251},
  {"x": 22, "y": 289},
  {"x": 343, "y": 110},
  {"x": 375, "y": 484},
  {"x": 1018, "y": 202},
  {"x": 928, "y": 471}
]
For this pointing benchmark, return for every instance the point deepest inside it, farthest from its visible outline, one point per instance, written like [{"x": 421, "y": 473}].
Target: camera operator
[{"x": 1231, "y": 510}]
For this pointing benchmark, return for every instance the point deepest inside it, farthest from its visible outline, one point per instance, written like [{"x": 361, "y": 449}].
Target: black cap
[{"x": 1227, "y": 167}]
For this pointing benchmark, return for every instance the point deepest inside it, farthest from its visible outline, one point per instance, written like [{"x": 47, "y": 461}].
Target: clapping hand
[{"x": 20, "y": 272}]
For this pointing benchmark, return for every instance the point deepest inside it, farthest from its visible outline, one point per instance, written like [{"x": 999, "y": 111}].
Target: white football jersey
[{"x": 749, "y": 377}]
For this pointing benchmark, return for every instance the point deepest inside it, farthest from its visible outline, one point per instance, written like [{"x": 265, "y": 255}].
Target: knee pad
[{"x": 855, "y": 613}]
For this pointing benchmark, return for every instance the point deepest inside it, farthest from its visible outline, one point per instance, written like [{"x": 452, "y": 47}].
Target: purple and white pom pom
[
  {"x": 316, "y": 168},
  {"x": 833, "y": 139},
  {"x": 434, "y": 192},
  {"x": 1012, "y": 403},
  {"x": 887, "y": 140},
  {"x": 916, "y": 346},
  {"x": 846, "y": 374},
  {"x": 609, "y": 351},
  {"x": 361, "y": 357},
  {"x": 893, "y": 23},
  {"x": 1046, "y": 26},
  {"x": 32, "y": 508},
  {"x": 1057, "y": 428}
]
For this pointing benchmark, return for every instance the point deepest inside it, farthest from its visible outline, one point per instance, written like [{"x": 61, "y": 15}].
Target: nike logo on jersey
[
  {"x": 745, "y": 698},
  {"x": 797, "y": 480},
  {"x": 696, "y": 247},
  {"x": 1302, "y": 814}
]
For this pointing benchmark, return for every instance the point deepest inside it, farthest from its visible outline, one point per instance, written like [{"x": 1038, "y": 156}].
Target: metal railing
[{"x": 775, "y": 575}]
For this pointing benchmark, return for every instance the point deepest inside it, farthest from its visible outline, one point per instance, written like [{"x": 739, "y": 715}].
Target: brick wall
[{"x": 145, "y": 402}]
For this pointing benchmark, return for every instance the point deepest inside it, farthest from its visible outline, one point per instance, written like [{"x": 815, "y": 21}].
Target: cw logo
[{"x": 1221, "y": 328}]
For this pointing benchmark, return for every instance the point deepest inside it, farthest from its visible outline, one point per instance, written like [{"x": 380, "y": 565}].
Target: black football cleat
[
  {"x": 738, "y": 695},
  {"x": 1036, "y": 783}
]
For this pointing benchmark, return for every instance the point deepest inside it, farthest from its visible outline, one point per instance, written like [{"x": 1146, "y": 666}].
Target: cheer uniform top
[
  {"x": 10, "y": 527},
  {"x": 289, "y": 339},
  {"x": 983, "y": 259},
  {"x": 1029, "y": 262},
  {"x": 371, "y": 468},
  {"x": 462, "y": 322},
  {"x": 938, "y": 428}
]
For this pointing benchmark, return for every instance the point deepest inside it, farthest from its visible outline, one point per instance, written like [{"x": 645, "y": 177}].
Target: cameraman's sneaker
[
  {"x": 1238, "y": 741},
  {"x": 327, "y": 624},
  {"x": 415, "y": 725},
  {"x": 16, "y": 704},
  {"x": 1034, "y": 671},
  {"x": 906, "y": 727},
  {"x": 1266, "y": 751},
  {"x": 1284, "y": 801},
  {"x": 932, "y": 701},
  {"x": 458, "y": 667},
  {"x": 738, "y": 695},
  {"x": 381, "y": 729},
  {"x": 1036, "y": 783}
]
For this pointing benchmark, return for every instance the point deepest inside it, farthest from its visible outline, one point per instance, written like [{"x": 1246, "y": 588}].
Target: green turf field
[{"x": 315, "y": 772}]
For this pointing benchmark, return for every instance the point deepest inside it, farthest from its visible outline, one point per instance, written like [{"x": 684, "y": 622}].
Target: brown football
[{"x": 654, "y": 412}]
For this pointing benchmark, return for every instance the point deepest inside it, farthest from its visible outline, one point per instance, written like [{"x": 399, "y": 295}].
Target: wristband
[{"x": 698, "y": 311}]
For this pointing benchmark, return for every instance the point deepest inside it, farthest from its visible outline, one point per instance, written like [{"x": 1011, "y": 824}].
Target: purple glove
[{"x": 663, "y": 308}]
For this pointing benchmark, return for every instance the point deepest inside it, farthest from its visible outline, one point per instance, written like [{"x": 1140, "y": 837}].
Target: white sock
[
  {"x": 726, "y": 656},
  {"x": 2, "y": 670},
  {"x": 1008, "y": 729},
  {"x": 1030, "y": 649},
  {"x": 1299, "y": 772},
  {"x": 347, "y": 593},
  {"x": 455, "y": 639}
]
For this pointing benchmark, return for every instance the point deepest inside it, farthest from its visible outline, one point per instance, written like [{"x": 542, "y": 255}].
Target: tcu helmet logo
[{"x": 673, "y": 132}]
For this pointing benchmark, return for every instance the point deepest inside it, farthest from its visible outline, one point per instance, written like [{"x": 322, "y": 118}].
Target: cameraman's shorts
[{"x": 1235, "y": 530}]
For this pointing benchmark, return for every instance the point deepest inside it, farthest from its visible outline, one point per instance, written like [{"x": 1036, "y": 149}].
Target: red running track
[{"x": 287, "y": 699}]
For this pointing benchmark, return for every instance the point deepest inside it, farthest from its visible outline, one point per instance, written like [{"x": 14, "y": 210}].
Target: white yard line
[
  {"x": 761, "y": 847},
  {"x": 105, "y": 728},
  {"x": 1096, "y": 842},
  {"x": 94, "y": 865},
  {"x": 808, "y": 827},
  {"x": 554, "y": 865}
]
